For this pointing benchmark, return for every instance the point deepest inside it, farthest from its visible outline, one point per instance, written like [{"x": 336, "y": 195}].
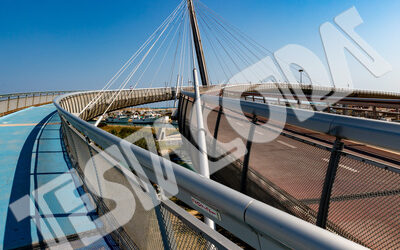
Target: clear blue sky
[{"x": 70, "y": 44}]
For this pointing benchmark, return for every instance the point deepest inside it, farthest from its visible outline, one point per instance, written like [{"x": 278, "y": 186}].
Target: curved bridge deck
[{"x": 34, "y": 165}]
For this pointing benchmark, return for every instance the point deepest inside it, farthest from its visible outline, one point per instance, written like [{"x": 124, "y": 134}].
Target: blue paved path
[{"x": 33, "y": 162}]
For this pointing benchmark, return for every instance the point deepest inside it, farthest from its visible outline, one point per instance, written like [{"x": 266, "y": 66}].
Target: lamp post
[{"x": 301, "y": 75}]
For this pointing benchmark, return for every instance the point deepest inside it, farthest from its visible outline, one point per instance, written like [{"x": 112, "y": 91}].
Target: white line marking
[
  {"x": 286, "y": 144},
  {"x": 259, "y": 133},
  {"x": 343, "y": 166},
  {"x": 238, "y": 123}
]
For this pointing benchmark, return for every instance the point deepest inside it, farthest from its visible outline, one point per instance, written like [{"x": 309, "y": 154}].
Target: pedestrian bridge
[{"x": 302, "y": 172}]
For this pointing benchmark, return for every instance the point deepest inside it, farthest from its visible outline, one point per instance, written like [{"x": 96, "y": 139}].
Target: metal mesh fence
[
  {"x": 299, "y": 176},
  {"x": 365, "y": 203},
  {"x": 186, "y": 232},
  {"x": 181, "y": 235},
  {"x": 80, "y": 153},
  {"x": 293, "y": 171},
  {"x": 144, "y": 230}
]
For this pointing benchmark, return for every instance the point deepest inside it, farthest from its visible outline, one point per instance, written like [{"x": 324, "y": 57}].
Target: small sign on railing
[{"x": 206, "y": 208}]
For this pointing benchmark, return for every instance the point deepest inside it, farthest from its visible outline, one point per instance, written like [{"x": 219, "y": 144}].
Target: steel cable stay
[
  {"x": 182, "y": 52},
  {"x": 245, "y": 37},
  {"x": 131, "y": 59},
  {"x": 222, "y": 29},
  {"x": 229, "y": 56},
  {"x": 175, "y": 27},
  {"x": 213, "y": 47},
  {"x": 174, "y": 60},
  {"x": 229, "y": 41},
  {"x": 212, "y": 54},
  {"x": 188, "y": 57},
  {"x": 256, "y": 45},
  {"x": 240, "y": 33},
  {"x": 135, "y": 69},
  {"x": 235, "y": 48},
  {"x": 223, "y": 36},
  {"x": 285, "y": 89},
  {"x": 166, "y": 53},
  {"x": 156, "y": 53}
]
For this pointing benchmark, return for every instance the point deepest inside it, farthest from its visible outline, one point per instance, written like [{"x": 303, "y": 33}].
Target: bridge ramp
[{"x": 34, "y": 165}]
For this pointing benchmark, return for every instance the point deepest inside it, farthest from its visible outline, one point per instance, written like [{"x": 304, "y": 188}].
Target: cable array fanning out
[{"x": 165, "y": 60}]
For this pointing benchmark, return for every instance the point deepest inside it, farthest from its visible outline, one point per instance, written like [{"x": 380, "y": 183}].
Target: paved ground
[{"x": 34, "y": 164}]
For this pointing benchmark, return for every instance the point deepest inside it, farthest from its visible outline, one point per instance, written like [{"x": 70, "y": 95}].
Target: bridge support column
[
  {"x": 328, "y": 183},
  {"x": 201, "y": 139},
  {"x": 245, "y": 168}
]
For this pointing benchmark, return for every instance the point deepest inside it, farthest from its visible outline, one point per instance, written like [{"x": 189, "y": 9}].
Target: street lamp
[{"x": 301, "y": 75}]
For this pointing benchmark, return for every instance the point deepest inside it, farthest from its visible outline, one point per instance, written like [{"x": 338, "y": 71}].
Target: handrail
[
  {"x": 10, "y": 103},
  {"x": 373, "y": 132},
  {"x": 258, "y": 224},
  {"x": 34, "y": 93}
]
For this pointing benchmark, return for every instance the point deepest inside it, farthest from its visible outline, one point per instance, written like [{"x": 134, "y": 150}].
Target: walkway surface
[{"x": 37, "y": 181}]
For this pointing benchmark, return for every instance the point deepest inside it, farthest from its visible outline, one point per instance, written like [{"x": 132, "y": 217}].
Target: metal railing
[
  {"x": 13, "y": 102},
  {"x": 173, "y": 229},
  {"x": 347, "y": 193},
  {"x": 259, "y": 225},
  {"x": 79, "y": 101},
  {"x": 372, "y": 132}
]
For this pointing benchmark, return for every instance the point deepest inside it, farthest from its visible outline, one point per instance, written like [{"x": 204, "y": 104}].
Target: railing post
[
  {"x": 245, "y": 168},
  {"x": 26, "y": 100},
  {"x": 8, "y": 104},
  {"x": 328, "y": 183},
  {"x": 220, "y": 112},
  {"x": 184, "y": 114},
  {"x": 374, "y": 113},
  {"x": 17, "y": 102},
  {"x": 162, "y": 227},
  {"x": 179, "y": 113}
]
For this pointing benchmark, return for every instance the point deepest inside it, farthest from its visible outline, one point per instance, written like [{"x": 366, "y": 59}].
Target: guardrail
[
  {"x": 13, "y": 102},
  {"x": 338, "y": 196},
  {"x": 377, "y": 133},
  {"x": 364, "y": 107},
  {"x": 259, "y": 225},
  {"x": 126, "y": 98}
]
